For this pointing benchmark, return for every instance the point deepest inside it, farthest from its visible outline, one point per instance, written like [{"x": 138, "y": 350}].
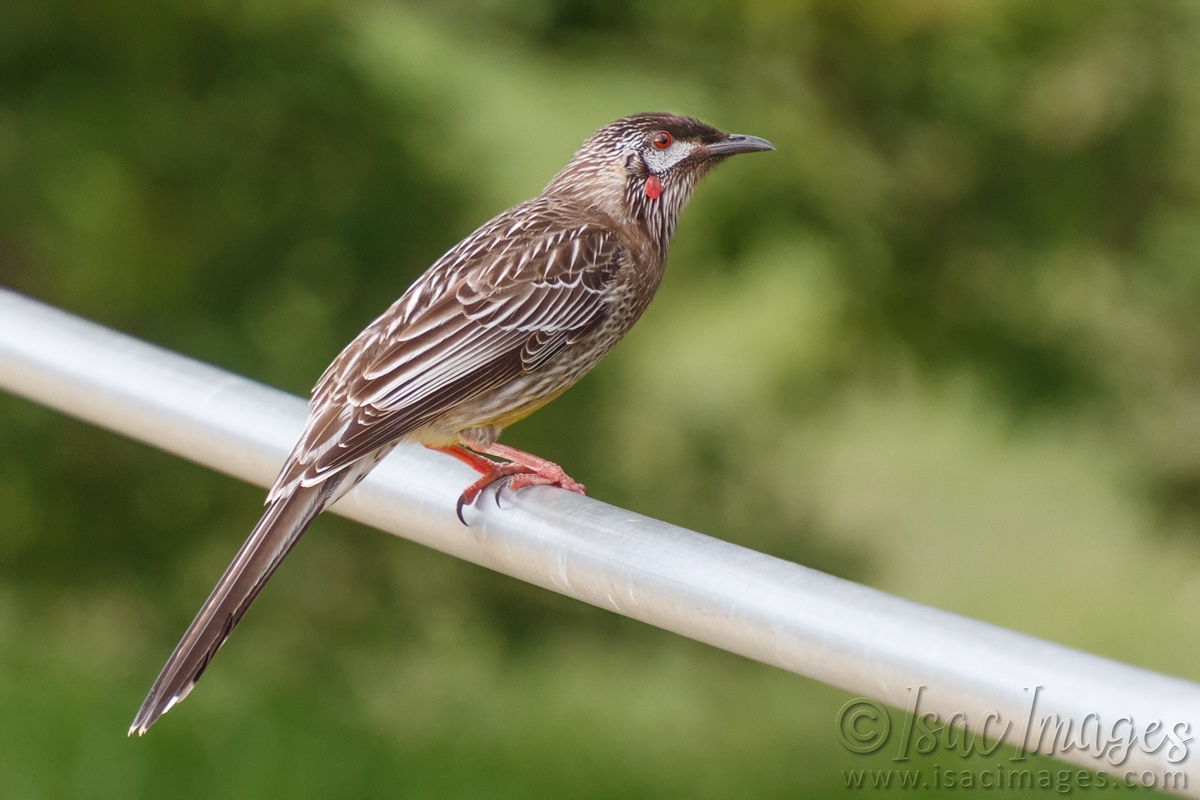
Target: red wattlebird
[{"x": 503, "y": 323}]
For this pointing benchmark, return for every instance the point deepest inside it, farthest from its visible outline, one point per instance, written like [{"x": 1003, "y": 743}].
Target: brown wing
[{"x": 501, "y": 304}]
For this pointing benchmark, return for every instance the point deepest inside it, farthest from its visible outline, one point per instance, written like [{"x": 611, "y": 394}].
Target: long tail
[{"x": 274, "y": 536}]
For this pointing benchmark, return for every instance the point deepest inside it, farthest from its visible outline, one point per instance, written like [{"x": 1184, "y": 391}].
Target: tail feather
[{"x": 277, "y": 532}]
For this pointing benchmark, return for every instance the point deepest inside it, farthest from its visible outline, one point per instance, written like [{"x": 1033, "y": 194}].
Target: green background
[{"x": 945, "y": 342}]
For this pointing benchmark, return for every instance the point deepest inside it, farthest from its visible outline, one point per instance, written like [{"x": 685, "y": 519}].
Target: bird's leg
[
  {"x": 490, "y": 472},
  {"x": 521, "y": 468},
  {"x": 537, "y": 471},
  {"x": 471, "y": 459}
]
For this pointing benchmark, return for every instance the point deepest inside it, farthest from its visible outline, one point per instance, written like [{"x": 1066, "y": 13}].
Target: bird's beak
[{"x": 735, "y": 143}]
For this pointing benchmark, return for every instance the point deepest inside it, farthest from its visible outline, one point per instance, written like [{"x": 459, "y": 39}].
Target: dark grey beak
[{"x": 735, "y": 143}]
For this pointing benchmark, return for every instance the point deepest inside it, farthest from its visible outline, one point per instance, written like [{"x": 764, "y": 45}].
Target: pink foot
[
  {"x": 521, "y": 469},
  {"x": 538, "y": 471}
]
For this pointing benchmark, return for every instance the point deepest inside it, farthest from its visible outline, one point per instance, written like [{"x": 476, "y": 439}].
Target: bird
[{"x": 500, "y": 325}]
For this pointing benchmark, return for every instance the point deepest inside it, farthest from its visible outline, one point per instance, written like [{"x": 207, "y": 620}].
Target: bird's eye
[{"x": 662, "y": 140}]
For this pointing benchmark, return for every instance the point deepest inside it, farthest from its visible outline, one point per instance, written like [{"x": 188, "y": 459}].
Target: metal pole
[{"x": 971, "y": 674}]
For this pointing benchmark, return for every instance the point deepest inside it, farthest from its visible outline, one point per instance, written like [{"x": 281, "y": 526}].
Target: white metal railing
[{"x": 777, "y": 612}]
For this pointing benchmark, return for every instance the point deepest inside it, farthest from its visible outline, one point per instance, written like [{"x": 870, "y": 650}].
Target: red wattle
[{"x": 653, "y": 187}]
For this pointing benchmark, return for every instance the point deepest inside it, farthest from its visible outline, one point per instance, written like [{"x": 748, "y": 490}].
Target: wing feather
[{"x": 490, "y": 310}]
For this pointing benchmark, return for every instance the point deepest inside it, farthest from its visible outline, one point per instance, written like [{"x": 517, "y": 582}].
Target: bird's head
[{"x": 642, "y": 169}]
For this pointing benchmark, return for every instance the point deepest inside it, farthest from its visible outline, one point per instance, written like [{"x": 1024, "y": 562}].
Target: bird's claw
[
  {"x": 495, "y": 473},
  {"x": 521, "y": 469},
  {"x": 515, "y": 476},
  {"x": 522, "y": 479}
]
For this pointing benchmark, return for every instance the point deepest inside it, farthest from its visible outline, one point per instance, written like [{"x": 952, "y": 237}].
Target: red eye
[{"x": 662, "y": 140}]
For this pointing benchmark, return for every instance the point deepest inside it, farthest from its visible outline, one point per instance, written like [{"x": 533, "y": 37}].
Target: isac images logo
[{"x": 866, "y": 726}]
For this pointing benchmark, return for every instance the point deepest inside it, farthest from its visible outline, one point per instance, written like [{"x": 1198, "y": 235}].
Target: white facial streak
[{"x": 659, "y": 161}]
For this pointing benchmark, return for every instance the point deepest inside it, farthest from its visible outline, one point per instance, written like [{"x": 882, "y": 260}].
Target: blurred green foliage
[{"x": 946, "y": 341}]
